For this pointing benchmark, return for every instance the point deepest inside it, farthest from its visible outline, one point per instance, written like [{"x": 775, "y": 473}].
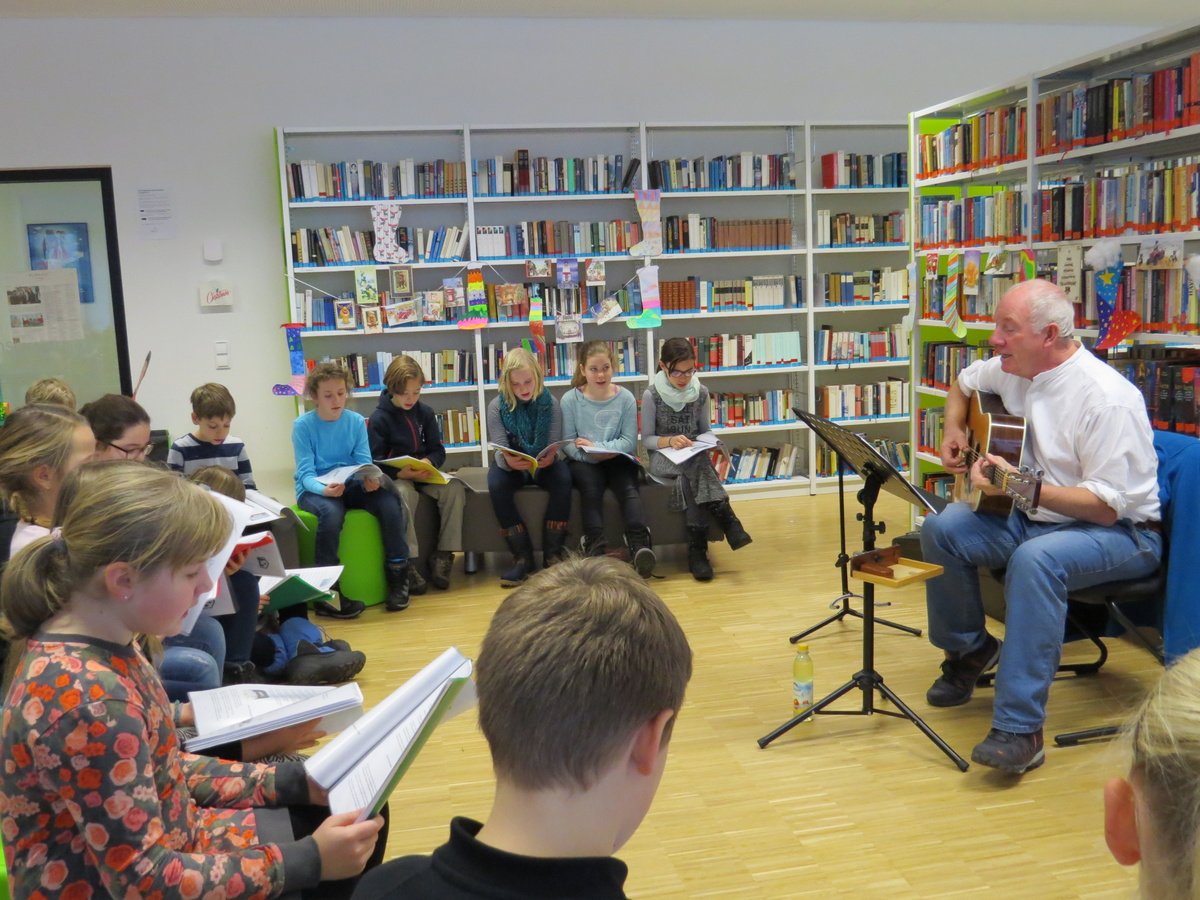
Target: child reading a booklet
[
  {"x": 121, "y": 427},
  {"x": 210, "y": 444},
  {"x": 404, "y": 426},
  {"x": 291, "y": 649},
  {"x": 601, "y": 418},
  {"x": 674, "y": 414},
  {"x": 580, "y": 678},
  {"x": 329, "y": 437},
  {"x": 96, "y": 790},
  {"x": 526, "y": 417}
]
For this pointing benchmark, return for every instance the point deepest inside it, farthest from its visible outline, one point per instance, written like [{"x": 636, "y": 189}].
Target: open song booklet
[
  {"x": 240, "y": 711},
  {"x": 342, "y": 474},
  {"x": 532, "y": 460},
  {"x": 431, "y": 474},
  {"x": 299, "y": 586},
  {"x": 361, "y": 766}
]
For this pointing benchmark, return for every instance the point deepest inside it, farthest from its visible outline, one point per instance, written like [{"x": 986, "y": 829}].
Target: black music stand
[
  {"x": 876, "y": 473},
  {"x": 842, "y": 603}
]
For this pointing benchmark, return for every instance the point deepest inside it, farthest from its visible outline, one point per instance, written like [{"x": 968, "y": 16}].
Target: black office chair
[
  {"x": 1112, "y": 596},
  {"x": 1088, "y": 613}
]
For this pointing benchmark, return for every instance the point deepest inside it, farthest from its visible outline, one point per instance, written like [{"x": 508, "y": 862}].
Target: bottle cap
[{"x": 802, "y": 648}]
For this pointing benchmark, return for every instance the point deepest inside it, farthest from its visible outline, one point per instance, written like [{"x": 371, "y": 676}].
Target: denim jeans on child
[
  {"x": 383, "y": 504},
  {"x": 1042, "y": 563},
  {"x": 193, "y": 662}
]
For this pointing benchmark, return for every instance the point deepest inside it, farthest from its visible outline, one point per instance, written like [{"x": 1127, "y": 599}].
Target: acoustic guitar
[{"x": 991, "y": 429}]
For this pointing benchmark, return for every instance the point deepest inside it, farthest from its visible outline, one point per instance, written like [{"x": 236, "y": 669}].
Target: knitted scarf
[
  {"x": 529, "y": 423},
  {"x": 672, "y": 396}
]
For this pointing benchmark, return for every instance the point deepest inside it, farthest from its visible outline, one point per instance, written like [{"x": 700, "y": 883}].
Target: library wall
[{"x": 189, "y": 105}]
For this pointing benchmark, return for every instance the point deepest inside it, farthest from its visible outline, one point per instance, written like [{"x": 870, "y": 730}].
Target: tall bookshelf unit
[
  {"x": 790, "y": 262},
  {"x": 995, "y": 170}
]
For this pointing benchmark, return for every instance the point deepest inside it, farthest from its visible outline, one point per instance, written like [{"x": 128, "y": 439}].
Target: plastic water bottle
[{"x": 802, "y": 680}]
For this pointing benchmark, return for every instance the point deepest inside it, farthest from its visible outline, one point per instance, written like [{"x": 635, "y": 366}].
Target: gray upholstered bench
[{"x": 481, "y": 531}]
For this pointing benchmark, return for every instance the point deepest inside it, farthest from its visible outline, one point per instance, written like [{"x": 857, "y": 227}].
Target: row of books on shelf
[
  {"x": 727, "y": 294},
  {"x": 841, "y": 169},
  {"x": 745, "y": 465},
  {"x": 736, "y": 410},
  {"x": 832, "y": 346},
  {"x": 559, "y": 359},
  {"x": 863, "y": 401},
  {"x": 977, "y": 306},
  {"x": 1087, "y": 115},
  {"x": 363, "y": 179},
  {"x": 342, "y": 246},
  {"x": 943, "y": 360},
  {"x": 562, "y": 238},
  {"x": 989, "y": 138},
  {"x": 730, "y": 172},
  {"x": 856, "y": 229},
  {"x": 949, "y": 221},
  {"x": 1150, "y": 198},
  {"x": 862, "y": 288},
  {"x": 898, "y": 453},
  {"x": 1166, "y": 300},
  {"x": 735, "y": 351},
  {"x": 931, "y": 428},
  {"x": 524, "y": 175},
  {"x": 940, "y": 484},
  {"x": 441, "y": 367},
  {"x": 1167, "y": 378},
  {"x": 694, "y": 232}
]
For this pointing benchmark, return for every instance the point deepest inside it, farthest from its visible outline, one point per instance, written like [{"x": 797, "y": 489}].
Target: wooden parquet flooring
[{"x": 855, "y": 806}]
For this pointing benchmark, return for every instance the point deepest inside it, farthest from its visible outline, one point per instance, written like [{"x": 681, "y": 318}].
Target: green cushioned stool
[{"x": 360, "y": 550}]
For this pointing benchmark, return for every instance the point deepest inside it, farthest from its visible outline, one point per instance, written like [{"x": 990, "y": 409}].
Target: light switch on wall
[{"x": 221, "y": 349}]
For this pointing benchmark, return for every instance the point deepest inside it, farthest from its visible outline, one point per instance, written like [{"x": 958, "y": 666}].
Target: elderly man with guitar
[{"x": 1074, "y": 456}]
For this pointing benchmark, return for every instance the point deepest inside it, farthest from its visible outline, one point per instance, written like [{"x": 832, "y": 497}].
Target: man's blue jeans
[{"x": 1042, "y": 563}]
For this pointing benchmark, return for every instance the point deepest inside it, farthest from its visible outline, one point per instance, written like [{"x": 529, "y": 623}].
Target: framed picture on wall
[{"x": 63, "y": 246}]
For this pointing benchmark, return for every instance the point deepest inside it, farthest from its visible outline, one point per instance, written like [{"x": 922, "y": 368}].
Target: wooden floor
[{"x": 861, "y": 806}]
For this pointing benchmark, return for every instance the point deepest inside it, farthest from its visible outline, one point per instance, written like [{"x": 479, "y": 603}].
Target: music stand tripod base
[{"x": 876, "y": 473}]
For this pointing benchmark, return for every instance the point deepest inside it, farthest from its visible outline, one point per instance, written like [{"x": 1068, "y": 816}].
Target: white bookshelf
[{"x": 796, "y": 200}]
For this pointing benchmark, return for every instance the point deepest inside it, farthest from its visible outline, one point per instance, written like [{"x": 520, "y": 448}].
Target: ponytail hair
[
  {"x": 586, "y": 352},
  {"x": 41, "y": 434},
  {"x": 107, "y": 512}
]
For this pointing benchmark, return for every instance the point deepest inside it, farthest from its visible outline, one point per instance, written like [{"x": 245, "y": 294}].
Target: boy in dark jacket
[{"x": 404, "y": 426}]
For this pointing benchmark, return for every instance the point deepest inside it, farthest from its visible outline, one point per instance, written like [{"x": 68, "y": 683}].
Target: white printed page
[
  {"x": 363, "y": 784},
  {"x": 239, "y": 514},
  {"x": 330, "y": 764},
  {"x": 267, "y": 706}
]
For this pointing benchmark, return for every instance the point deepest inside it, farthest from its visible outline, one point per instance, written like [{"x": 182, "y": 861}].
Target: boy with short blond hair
[
  {"x": 329, "y": 437},
  {"x": 404, "y": 426},
  {"x": 51, "y": 390},
  {"x": 580, "y": 678},
  {"x": 210, "y": 444}
]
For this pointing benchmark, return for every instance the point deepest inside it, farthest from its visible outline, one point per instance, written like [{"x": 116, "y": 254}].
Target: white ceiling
[{"x": 1151, "y": 14}]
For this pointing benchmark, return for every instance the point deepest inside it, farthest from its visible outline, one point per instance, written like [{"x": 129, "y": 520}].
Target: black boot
[
  {"x": 641, "y": 553},
  {"x": 698, "y": 563},
  {"x": 554, "y": 540},
  {"x": 518, "y": 542},
  {"x": 397, "y": 586},
  {"x": 593, "y": 544},
  {"x": 735, "y": 534},
  {"x": 417, "y": 585}
]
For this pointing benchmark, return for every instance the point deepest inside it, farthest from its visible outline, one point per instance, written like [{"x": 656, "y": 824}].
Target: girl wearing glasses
[
  {"x": 121, "y": 426},
  {"x": 674, "y": 413}
]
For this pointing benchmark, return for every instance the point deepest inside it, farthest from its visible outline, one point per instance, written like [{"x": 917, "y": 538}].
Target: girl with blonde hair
[
  {"x": 527, "y": 418},
  {"x": 96, "y": 790}
]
